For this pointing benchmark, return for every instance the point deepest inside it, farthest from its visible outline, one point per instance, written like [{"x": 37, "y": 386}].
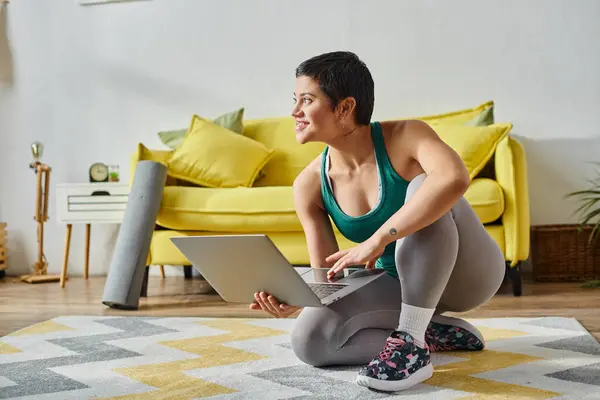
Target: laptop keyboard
[{"x": 323, "y": 290}]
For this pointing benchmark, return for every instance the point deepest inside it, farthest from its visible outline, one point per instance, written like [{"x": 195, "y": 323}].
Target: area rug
[{"x": 83, "y": 357}]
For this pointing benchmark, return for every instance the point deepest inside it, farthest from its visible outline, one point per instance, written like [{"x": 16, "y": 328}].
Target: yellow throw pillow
[
  {"x": 480, "y": 115},
  {"x": 213, "y": 156},
  {"x": 474, "y": 144},
  {"x": 232, "y": 120}
]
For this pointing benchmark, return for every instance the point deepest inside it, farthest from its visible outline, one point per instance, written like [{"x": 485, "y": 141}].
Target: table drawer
[
  {"x": 96, "y": 202},
  {"x": 95, "y": 189},
  {"x": 98, "y": 207},
  {"x": 114, "y": 199}
]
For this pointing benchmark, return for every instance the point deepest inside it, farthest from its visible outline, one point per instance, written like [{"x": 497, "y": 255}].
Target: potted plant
[{"x": 589, "y": 214}]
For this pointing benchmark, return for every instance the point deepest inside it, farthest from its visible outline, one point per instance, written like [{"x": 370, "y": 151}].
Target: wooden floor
[{"x": 23, "y": 304}]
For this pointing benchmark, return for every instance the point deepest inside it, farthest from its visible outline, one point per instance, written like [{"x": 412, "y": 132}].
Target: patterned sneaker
[
  {"x": 452, "y": 334},
  {"x": 400, "y": 365}
]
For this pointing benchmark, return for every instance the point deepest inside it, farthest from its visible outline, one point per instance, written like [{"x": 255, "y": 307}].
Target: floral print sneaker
[
  {"x": 452, "y": 334},
  {"x": 400, "y": 365}
]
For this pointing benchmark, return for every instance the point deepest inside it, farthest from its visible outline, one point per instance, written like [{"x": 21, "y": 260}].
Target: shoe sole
[
  {"x": 393, "y": 386},
  {"x": 461, "y": 323}
]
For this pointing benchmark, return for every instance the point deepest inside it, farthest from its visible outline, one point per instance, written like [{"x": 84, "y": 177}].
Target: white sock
[{"x": 414, "y": 321}]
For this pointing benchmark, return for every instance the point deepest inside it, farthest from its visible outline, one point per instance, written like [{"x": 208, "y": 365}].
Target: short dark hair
[{"x": 342, "y": 74}]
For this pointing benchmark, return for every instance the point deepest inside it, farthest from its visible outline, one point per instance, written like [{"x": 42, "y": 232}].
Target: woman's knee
[
  {"x": 436, "y": 245},
  {"x": 313, "y": 337},
  {"x": 435, "y": 236}
]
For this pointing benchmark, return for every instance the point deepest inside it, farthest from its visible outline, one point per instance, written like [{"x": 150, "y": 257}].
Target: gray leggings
[{"x": 451, "y": 265}]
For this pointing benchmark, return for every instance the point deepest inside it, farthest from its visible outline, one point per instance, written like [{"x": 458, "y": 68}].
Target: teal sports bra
[{"x": 392, "y": 194}]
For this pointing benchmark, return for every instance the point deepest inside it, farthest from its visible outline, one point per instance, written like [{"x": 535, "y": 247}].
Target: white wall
[{"x": 91, "y": 82}]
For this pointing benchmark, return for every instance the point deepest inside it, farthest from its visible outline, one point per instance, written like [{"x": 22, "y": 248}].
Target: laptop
[{"x": 237, "y": 266}]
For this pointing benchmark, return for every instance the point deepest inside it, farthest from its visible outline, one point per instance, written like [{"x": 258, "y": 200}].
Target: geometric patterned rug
[{"x": 82, "y": 357}]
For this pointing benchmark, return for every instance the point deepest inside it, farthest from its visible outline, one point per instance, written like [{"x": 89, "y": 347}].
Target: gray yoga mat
[{"x": 128, "y": 264}]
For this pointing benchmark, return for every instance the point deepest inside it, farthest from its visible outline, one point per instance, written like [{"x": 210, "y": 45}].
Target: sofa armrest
[
  {"x": 511, "y": 174},
  {"x": 136, "y": 157},
  {"x": 143, "y": 153}
]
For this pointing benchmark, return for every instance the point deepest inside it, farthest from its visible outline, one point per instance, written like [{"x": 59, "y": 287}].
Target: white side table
[{"x": 88, "y": 203}]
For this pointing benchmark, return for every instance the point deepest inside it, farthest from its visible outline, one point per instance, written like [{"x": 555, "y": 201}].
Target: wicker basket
[
  {"x": 561, "y": 253},
  {"x": 3, "y": 249}
]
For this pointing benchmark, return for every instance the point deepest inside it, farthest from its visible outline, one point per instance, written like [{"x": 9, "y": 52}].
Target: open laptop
[{"x": 237, "y": 266}]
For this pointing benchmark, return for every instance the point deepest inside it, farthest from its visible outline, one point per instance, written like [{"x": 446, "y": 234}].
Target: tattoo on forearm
[{"x": 393, "y": 231}]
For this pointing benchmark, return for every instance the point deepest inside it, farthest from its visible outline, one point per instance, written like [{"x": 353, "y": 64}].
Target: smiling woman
[
  {"x": 323, "y": 96},
  {"x": 396, "y": 189}
]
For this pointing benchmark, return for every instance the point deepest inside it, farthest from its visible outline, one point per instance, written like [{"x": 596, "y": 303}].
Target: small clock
[{"x": 98, "y": 172}]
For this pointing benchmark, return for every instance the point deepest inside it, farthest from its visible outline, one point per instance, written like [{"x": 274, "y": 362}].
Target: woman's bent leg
[
  {"x": 352, "y": 330},
  {"x": 450, "y": 265},
  {"x": 477, "y": 276},
  {"x": 476, "y": 272},
  {"x": 425, "y": 262},
  {"x": 480, "y": 264}
]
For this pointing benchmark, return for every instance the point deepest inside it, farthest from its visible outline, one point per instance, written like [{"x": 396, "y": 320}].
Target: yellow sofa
[{"x": 498, "y": 195}]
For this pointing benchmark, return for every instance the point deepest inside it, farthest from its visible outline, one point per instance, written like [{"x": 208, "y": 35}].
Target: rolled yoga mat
[{"x": 128, "y": 264}]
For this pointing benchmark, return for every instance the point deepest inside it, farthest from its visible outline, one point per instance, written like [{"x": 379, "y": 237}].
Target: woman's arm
[
  {"x": 318, "y": 231},
  {"x": 315, "y": 221},
  {"x": 447, "y": 180}
]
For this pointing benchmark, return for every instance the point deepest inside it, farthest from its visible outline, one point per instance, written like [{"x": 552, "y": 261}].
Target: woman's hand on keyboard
[{"x": 269, "y": 304}]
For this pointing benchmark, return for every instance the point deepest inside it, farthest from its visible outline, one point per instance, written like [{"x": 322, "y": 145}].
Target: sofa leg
[
  {"x": 144, "y": 291},
  {"x": 514, "y": 273},
  {"x": 187, "y": 271}
]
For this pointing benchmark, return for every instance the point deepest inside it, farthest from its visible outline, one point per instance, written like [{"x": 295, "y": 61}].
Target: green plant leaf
[
  {"x": 593, "y": 239},
  {"x": 591, "y": 215},
  {"x": 587, "y": 205},
  {"x": 583, "y": 208},
  {"x": 588, "y": 208},
  {"x": 584, "y": 192}
]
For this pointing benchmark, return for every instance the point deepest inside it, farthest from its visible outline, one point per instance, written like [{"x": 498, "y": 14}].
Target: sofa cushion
[
  {"x": 271, "y": 209},
  {"x": 480, "y": 115},
  {"x": 213, "y": 156},
  {"x": 487, "y": 199},
  {"x": 234, "y": 121},
  {"x": 474, "y": 144},
  {"x": 290, "y": 158},
  {"x": 231, "y": 209}
]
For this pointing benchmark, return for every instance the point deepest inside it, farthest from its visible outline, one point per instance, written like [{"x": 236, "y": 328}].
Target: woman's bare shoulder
[
  {"x": 403, "y": 138},
  {"x": 402, "y": 127},
  {"x": 307, "y": 185},
  {"x": 402, "y": 133}
]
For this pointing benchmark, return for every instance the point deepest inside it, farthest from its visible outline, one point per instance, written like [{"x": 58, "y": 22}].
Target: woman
[{"x": 396, "y": 189}]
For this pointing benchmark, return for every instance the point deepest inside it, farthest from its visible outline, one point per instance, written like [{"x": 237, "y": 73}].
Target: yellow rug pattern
[{"x": 76, "y": 357}]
